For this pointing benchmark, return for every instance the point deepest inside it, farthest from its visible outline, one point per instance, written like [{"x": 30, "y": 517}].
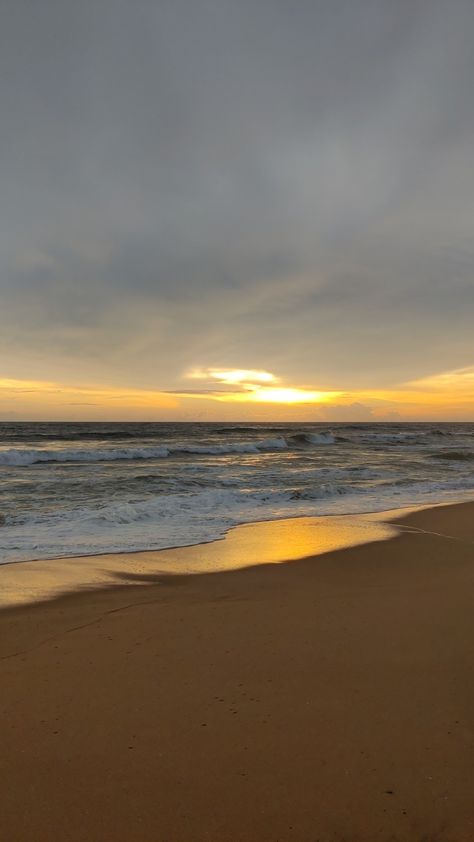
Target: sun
[
  {"x": 256, "y": 386},
  {"x": 289, "y": 396}
]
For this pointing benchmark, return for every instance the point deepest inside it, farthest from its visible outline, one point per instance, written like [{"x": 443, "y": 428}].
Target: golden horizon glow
[
  {"x": 284, "y": 396},
  {"x": 444, "y": 396},
  {"x": 44, "y": 397},
  {"x": 459, "y": 379},
  {"x": 254, "y": 388}
]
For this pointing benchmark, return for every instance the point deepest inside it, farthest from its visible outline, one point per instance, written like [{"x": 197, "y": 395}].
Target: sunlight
[
  {"x": 233, "y": 376},
  {"x": 442, "y": 396},
  {"x": 290, "y": 396},
  {"x": 254, "y": 386}
]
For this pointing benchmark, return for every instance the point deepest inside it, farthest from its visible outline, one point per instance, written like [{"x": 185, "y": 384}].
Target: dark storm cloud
[{"x": 275, "y": 184}]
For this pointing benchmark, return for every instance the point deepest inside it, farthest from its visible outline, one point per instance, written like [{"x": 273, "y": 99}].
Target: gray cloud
[{"x": 266, "y": 184}]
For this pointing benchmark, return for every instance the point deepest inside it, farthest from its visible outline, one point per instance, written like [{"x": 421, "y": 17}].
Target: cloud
[
  {"x": 254, "y": 386},
  {"x": 232, "y": 376},
  {"x": 219, "y": 184},
  {"x": 461, "y": 379},
  {"x": 347, "y": 412}
]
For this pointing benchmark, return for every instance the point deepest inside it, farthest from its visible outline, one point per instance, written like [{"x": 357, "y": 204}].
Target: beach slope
[{"x": 329, "y": 698}]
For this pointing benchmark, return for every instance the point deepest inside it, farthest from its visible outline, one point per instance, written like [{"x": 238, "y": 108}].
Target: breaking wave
[
  {"x": 311, "y": 438},
  {"x": 72, "y": 489},
  {"x": 23, "y": 457},
  {"x": 30, "y": 456}
]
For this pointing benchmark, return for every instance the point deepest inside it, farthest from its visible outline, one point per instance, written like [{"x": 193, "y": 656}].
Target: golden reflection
[
  {"x": 270, "y": 542},
  {"x": 277, "y": 541}
]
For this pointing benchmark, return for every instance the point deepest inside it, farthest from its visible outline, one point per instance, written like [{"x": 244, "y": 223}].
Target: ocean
[{"x": 83, "y": 488}]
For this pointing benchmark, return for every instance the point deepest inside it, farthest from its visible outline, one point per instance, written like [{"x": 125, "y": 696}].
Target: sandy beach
[{"x": 325, "y": 699}]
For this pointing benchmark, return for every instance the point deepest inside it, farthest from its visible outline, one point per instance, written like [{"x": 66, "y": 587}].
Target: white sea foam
[
  {"x": 28, "y": 456},
  {"x": 183, "y": 519},
  {"x": 171, "y": 485},
  {"x": 24, "y": 456}
]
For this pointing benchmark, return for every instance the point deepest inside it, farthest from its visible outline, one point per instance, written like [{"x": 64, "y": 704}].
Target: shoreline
[
  {"x": 409, "y": 507},
  {"x": 405, "y": 507},
  {"x": 33, "y": 580},
  {"x": 328, "y": 698}
]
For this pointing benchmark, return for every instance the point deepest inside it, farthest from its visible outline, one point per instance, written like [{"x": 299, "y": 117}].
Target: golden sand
[{"x": 329, "y": 698}]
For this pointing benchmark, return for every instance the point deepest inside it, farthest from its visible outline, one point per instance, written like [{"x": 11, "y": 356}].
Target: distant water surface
[{"x": 79, "y": 488}]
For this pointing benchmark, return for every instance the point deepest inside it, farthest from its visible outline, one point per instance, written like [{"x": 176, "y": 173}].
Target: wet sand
[{"x": 329, "y": 698}]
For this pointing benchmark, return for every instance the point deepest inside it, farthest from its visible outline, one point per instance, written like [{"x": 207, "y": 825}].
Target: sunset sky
[{"x": 228, "y": 210}]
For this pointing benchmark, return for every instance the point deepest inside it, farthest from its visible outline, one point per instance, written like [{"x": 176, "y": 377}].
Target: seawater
[{"x": 81, "y": 488}]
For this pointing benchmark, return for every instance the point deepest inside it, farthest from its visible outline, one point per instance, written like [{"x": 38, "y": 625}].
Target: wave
[
  {"x": 325, "y": 490},
  {"x": 311, "y": 438},
  {"x": 79, "y": 436},
  {"x": 296, "y": 439},
  {"x": 418, "y": 436},
  {"x": 454, "y": 455},
  {"x": 231, "y": 447},
  {"x": 180, "y": 519},
  {"x": 24, "y": 457},
  {"x": 392, "y": 438}
]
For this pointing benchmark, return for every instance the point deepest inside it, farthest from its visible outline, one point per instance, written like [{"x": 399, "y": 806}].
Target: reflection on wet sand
[{"x": 259, "y": 543}]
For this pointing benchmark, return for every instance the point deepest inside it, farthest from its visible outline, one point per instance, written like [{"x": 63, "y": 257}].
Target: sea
[{"x": 69, "y": 489}]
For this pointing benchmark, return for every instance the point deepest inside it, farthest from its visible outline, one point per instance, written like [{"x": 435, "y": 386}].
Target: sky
[{"x": 231, "y": 209}]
